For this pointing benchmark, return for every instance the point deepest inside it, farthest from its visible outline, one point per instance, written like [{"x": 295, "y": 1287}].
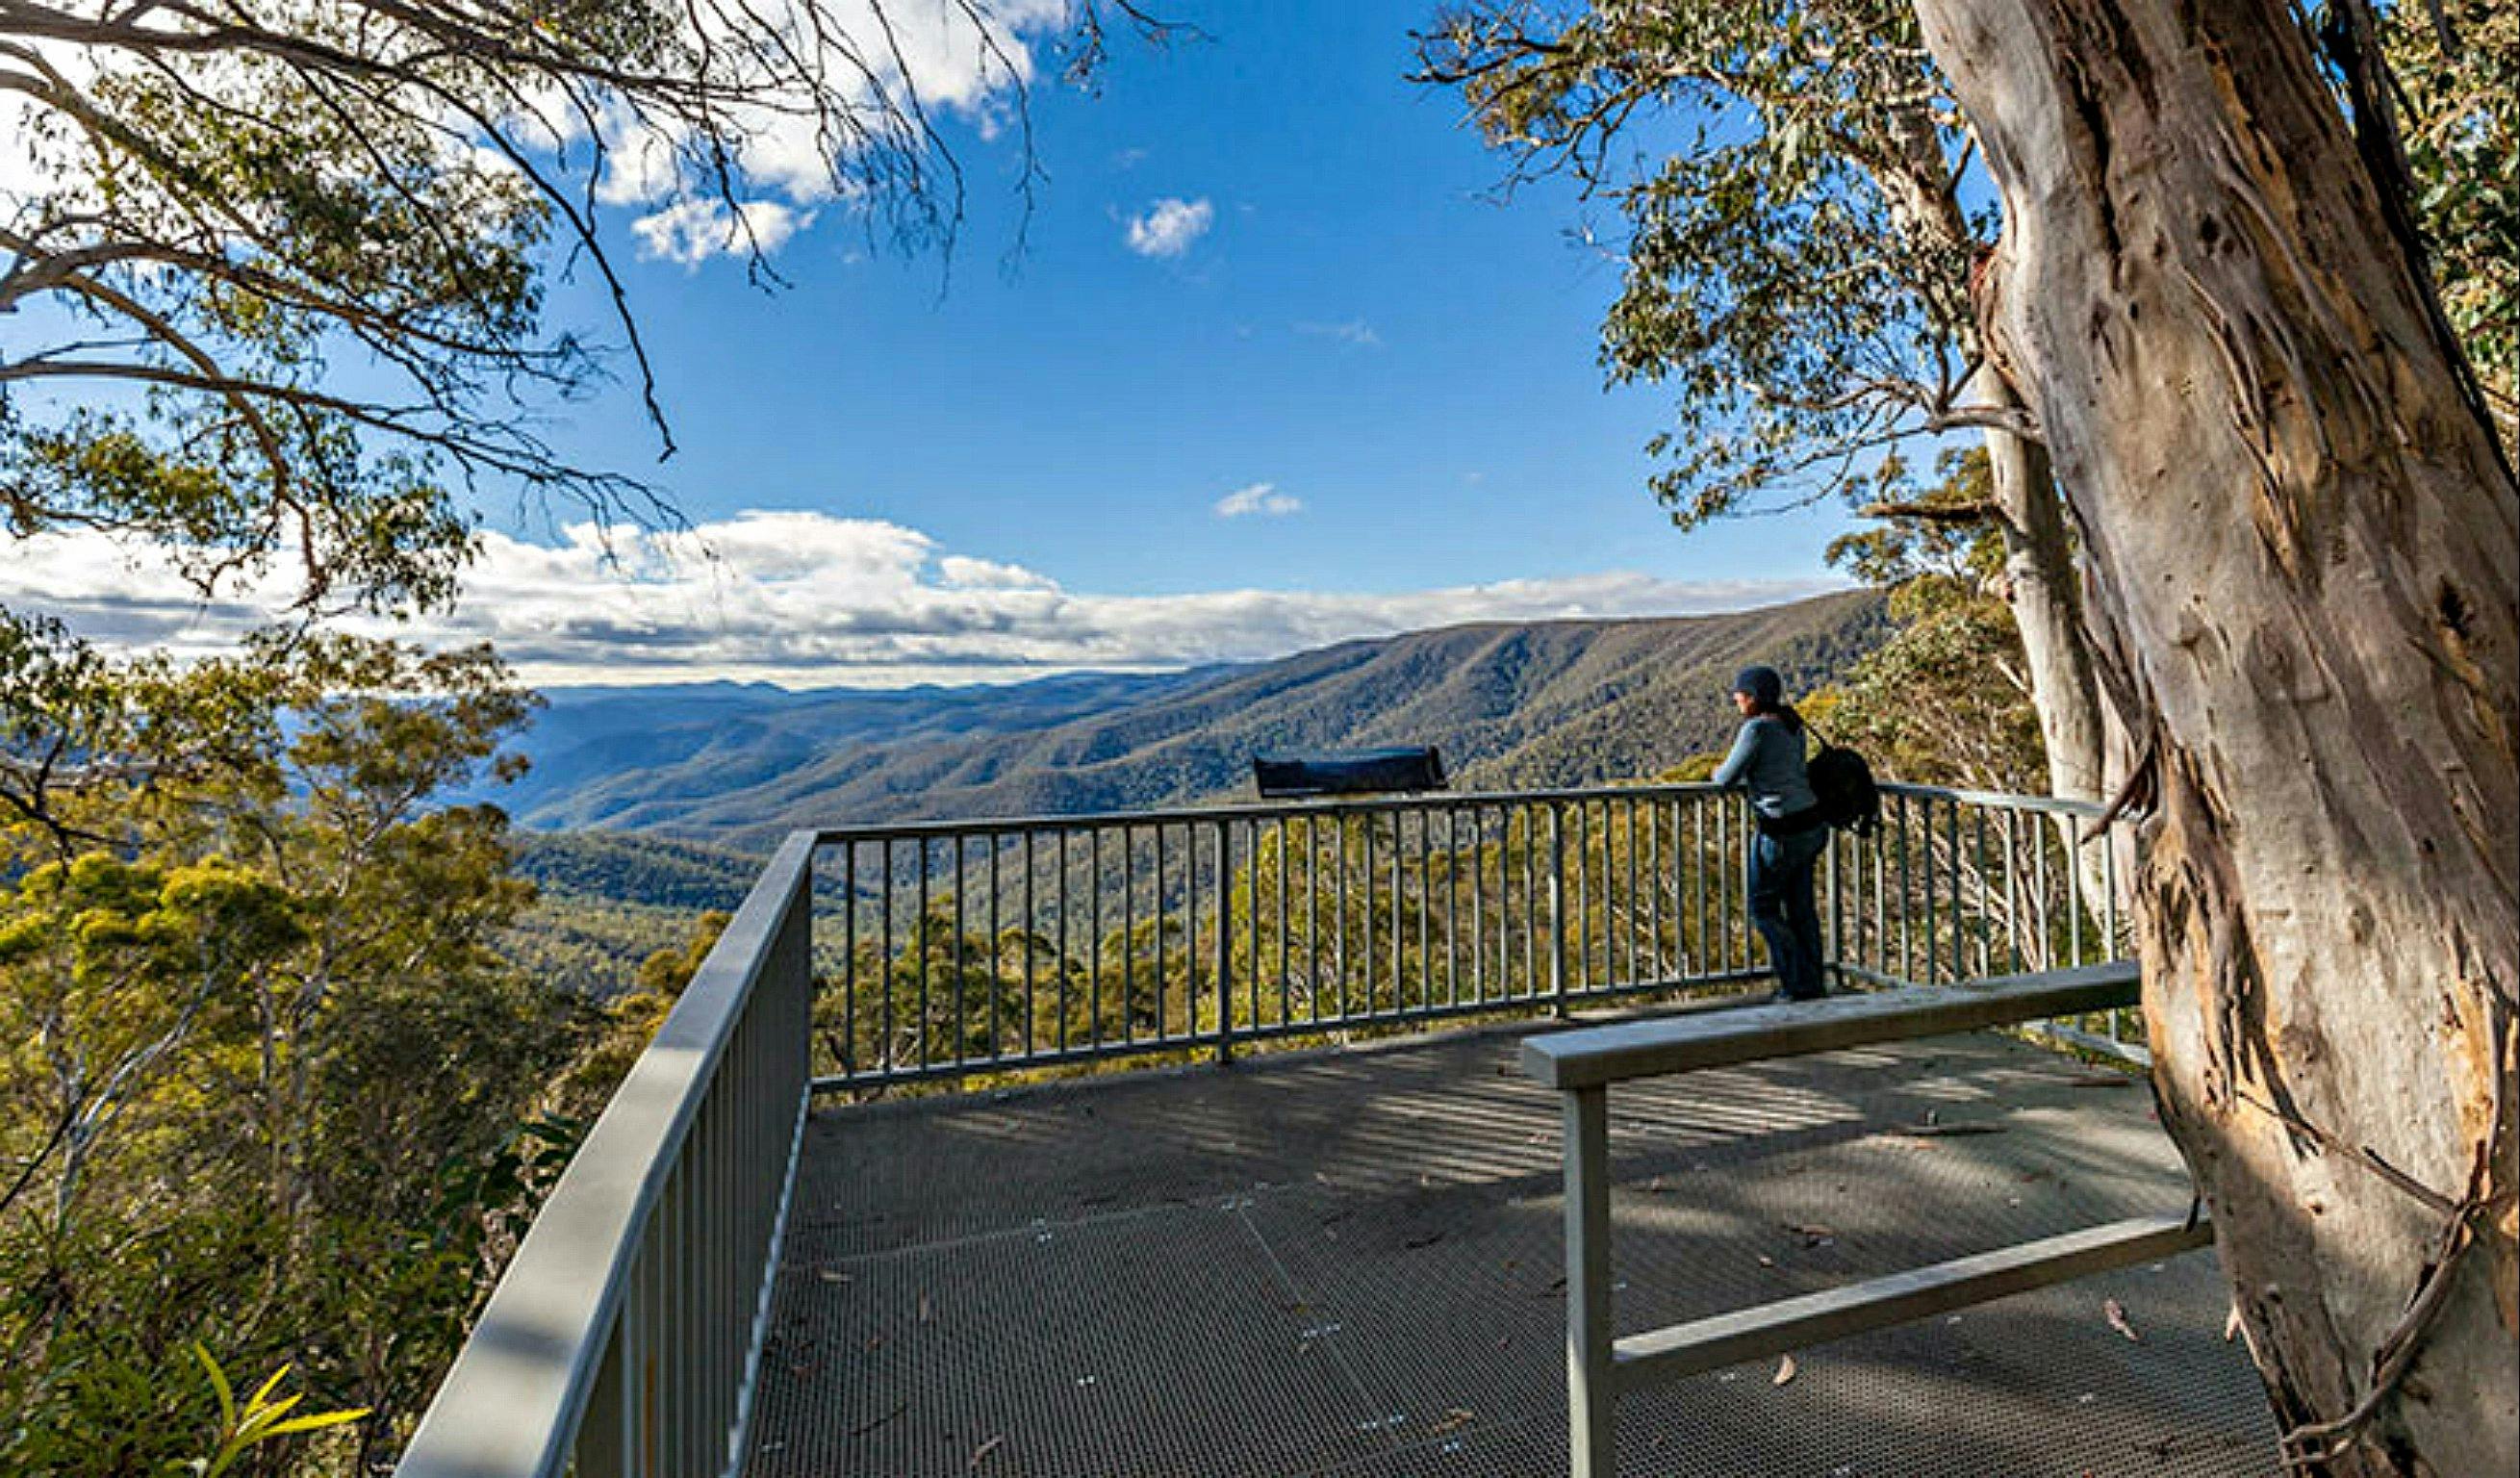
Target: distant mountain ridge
[{"x": 1540, "y": 703}]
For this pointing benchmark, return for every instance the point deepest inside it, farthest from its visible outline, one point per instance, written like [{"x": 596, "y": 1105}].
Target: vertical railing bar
[
  {"x": 1628, "y": 929},
  {"x": 1031, "y": 940},
  {"x": 2012, "y": 890},
  {"x": 1059, "y": 961},
  {"x": 1705, "y": 963},
  {"x": 1365, "y": 819},
  {"x": 891, "y": 1038},
  {"x": 1530, "y": 912},
  {"x": 1907, "y": 929},
  {"x": 1877, "y": 925},
  {"x": 1251, "y": 896},
  {"x": 919, "y": 942},
  {"x": 686, "y": 1318},
  {"x": 1094, "y": 939},
  {"x": 1286, "y": 876},
  {"x": 1344, "y": 997},
  {"x": 1399, "y": 915},
  {"x": 1557, "y": 907},
  {"x": 961, "y": 964},
  {"x": 1452, "y": 906},
  {"x": 1592, "y": 1395},
  {"x": 1933, "y": 914},
  {"x": 996, "y": 951},
  {"x": 1959, "y": 886},
  {"x": 1222, "y": 883},
  {"x": 849, "y": 950},
  {"x": 1726, "y": 880},
  {"x": 1479, "y": 902},
  {"x": 1317, "y": 883},
  {"x": 1833, "y": 849},
  {"x": 1655, "y": 810},
  {"x": 1128, "y": 935},
  {"x": 2115, "y": 948},
  {"x": 733, "y": 1222},
  {"x": 2073, "y": 907},
  {"x": 1985, "y": 903},
  {"x": 1163, "y": 957},
  {"x": 1425, "y": 890}
]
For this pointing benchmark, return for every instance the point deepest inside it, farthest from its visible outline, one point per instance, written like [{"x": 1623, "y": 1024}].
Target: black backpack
[{"x": 1849, "y": 800}]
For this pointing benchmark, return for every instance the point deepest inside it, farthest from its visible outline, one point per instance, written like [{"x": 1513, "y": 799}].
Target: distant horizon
[
  {"x": 1260, "y": 660},
  {"x": 808, "y": 601}
]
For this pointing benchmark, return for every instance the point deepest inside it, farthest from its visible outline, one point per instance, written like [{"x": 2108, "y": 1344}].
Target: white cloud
[
  {"x": 1170, "y": 227},
  {"x": 958, "y": 62},
  {"x": 694, "y": 230},
  {"x": 809, "y": 599},
  {"x": 1261, "y": 499},
  {"x": 1355, "y": 330}
]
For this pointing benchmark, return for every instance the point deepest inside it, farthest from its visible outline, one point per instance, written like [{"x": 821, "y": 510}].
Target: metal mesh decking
[{"x": 1349, "y": 1263}]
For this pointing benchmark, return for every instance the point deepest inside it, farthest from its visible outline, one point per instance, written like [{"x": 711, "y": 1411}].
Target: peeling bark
[{"x": 2302, "y": 551}]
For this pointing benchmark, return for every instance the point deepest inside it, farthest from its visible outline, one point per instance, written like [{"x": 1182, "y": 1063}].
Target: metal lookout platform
[{"x": 857, "y": 1213}]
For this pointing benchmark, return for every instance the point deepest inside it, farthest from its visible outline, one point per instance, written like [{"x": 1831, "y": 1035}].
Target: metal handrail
[
  {"x": 1583, "y": 1066},
  {"x": 1241, "y": 811},
  {"x": 625, "y": 1333},
  {"x": 1030, "y": 943}
]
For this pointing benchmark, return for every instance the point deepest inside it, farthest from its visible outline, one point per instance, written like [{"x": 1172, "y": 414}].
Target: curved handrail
[{"x": 512, "y": 1401}]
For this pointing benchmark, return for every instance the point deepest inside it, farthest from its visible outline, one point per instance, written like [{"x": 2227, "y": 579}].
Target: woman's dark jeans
[{"x": 1782, "y": 906}]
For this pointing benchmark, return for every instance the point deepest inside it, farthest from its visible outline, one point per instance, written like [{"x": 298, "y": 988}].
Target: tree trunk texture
[
  {"x": 2302, "y": 549},
  {"x": 1914, "y": 171},
  {"x": 2039, "y": 584}
]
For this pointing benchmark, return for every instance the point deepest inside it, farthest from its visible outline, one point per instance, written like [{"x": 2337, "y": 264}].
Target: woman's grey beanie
[{"x": 1761, "y": 684}]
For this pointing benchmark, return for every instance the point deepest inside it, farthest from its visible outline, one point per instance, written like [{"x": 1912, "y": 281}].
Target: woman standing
[{"x": 1767, "y": 759}]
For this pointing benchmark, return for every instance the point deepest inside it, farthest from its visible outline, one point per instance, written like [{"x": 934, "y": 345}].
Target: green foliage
[
  {"x": 265, "y": 1082},
  {"x": 1798, "y": 267},
  {"x": 261, "y": 1418},
  {"x": 1947, "y": 699},
  {"x": 294, "y": 257},
  {"x": 2457, "y": 68}
]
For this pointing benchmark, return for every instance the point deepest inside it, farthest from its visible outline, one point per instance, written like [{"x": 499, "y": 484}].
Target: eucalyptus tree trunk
[
  {"x": 2039, "y": 577},
  {"x": 1916, "y": 176},
  {"x": 2302, "y": 543}
]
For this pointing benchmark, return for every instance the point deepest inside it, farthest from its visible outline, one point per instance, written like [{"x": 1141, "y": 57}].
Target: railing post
[
  {"x": 1836, "y": 911},
  {"x": 603, "y": 1434},
  {"x": 1592, "y": 1399},
  {"x": 1557, "y": 910},
  {"x": 1224, "y": 942}
]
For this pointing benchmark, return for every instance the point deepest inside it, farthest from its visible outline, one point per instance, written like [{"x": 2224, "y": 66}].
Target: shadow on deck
[{"x": 1349, "y": 1263}]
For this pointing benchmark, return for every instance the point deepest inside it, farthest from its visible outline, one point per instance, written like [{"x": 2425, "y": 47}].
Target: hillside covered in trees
[{"x": 1555, "y": 702}]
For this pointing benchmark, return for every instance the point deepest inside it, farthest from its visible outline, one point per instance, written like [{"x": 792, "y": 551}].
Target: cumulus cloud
[
  {"x": 691, "y": 231},
  {"x": 812, "y": 600},
  {"x": 1260, "y": 499},
  {"x": 1170, "y": 227},
  {"x": 958, "y": 62}
]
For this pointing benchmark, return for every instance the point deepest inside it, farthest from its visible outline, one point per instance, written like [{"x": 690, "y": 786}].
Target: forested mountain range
[
  {"x": 645, "y": 806},
  {"x": 1525, "y": 703}
]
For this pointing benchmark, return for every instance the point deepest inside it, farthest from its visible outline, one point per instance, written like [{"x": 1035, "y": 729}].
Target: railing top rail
[
  {"x": 1996, "y": 800},
  {"x": 1422, "y": 800},
  {"x": 1432, "y": 801},
  {"x": 513, "y": 1399},
  {"x": 1596, "y": 1056}
]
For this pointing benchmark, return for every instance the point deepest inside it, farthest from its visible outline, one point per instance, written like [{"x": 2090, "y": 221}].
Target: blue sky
[
  {"x": 1081, "y": 408},
  {"x": 1334, "y": 318}
]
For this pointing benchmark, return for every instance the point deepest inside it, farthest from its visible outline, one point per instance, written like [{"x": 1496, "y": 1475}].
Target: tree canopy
[{"x": 289, "y": 264}]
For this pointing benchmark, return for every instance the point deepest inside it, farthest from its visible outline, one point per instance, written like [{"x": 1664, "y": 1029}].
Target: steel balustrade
[
  {"x": 623, "y": 1338},
  {"x": 1191, "y": 930}
]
